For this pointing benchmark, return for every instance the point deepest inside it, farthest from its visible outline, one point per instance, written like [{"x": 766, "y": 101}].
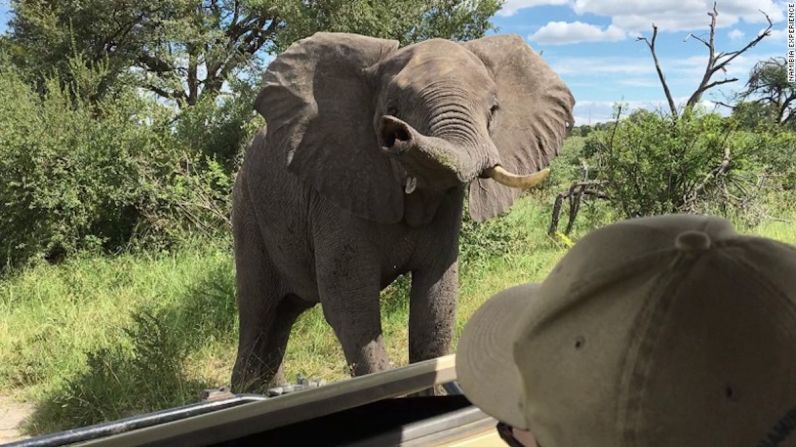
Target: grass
[{"x": 99, "y": 338}]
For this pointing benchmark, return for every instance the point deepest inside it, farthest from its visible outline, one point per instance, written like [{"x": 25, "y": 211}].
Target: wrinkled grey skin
[{"x": 322, "y": 212}]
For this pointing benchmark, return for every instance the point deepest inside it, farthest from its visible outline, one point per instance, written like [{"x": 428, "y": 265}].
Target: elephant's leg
[
  {"x": 260, "y": 293},
  {"x": 359, "y": 332},
  {"x": 262, "y": 347},
  {"x": 264, "y": 333},
  {"x": 350, "y": 300},
  {"x": 432, "y": 311},
  {"x": 266, "y": 310}
]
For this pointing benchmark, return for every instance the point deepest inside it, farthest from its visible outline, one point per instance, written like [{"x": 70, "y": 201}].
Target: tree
[
  {"x": 769, "y": 89},
  {"x": 183, "y": 50},
  {"x": 751, "y": 114},
  {"x": 716, "y": 62}
]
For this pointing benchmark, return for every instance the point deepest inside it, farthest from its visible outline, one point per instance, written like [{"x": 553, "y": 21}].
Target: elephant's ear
[
  {"x": 319, "y": 108},
  {"x": 534, "y": 115}
]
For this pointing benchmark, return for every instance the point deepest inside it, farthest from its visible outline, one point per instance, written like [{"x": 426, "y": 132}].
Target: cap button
[{"x": 692, "y": 240}]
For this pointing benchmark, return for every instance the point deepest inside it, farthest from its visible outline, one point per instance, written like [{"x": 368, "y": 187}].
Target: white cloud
[
  {"x": 693, "y": 67},
  {"x": 620, "y": 76},
  {"x": 512, "y": 6},
  {"x": 678, "y": 15},
  {"x": 735, "y": 34},
  {"x": 559, "y": 33},
  {"x": 603, "y": 65},
  {"x": 777, "y": 36},
  {"x": 667, "y": 14},
  {"x": 640, "y": 82},
  {"x": 640, "y": 70},
  {"x": 592, "y": 112},
  {"x": 630, "y": 19}
]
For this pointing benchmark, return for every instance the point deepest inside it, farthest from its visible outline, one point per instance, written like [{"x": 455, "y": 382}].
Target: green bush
[
  {"x": 71, "y": 179},
  {"x": 772, "y": 149},
  {"x": 653, "y": 164},
  {"x": 479, "y": 241},
  {"x": 111, "y": 174},
  {"x": 221, "y": 127}
]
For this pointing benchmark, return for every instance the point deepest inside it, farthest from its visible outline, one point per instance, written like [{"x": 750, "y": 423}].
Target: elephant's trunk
[
  {"x": 437, "y": 160},
  {"x": 432, "y": 159}
]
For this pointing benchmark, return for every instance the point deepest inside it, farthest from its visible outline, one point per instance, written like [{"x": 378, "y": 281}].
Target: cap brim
[{"x": 485, "y": 367}]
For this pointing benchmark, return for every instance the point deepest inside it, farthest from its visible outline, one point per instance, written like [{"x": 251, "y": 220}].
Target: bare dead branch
[
  {"x": 723, "y": 81},
  {"x": 718, "y": 171},
  {"x": 616, "y": 125},
  {"x": 718, "y": 62},
  {"x": 575, "y": 195},
  {"x": 697, "y": 38},
  {"x": 661, "y": 77},
  {"x": 733, "y": 54},
  {"x": 724, "y": 104}
]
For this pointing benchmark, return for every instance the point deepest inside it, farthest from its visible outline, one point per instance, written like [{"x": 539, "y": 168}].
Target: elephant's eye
[
  {"x": 492, "y": 111},
  {"x": 392, "y": 111}
]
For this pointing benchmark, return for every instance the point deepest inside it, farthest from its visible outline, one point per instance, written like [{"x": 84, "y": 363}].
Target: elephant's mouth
[{"x": 436, "y": 161}]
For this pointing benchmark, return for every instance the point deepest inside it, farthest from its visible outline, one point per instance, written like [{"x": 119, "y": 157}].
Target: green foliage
[
  {"x": 70, "y": 180},
  {"x": 771, "y": 152},
  {"x": 751, "y": 114},
  {"x": 768, "y": 97},
  {"x": 105, "y": 175},
  {"x": 699, "y": 162},
  {"x": 119, "y": 382},
  {"x": 569, "y": 165},
  {"x": 568, "y": 172},
  {"x": 584, "y": 130},
  {"x": 221, "y": 127},
  {"x": 185, "y": 50},
  {"x": 479, "y": 241},
  {"x": 418, "y": 19},
  {"x": 654, "y": 164}
]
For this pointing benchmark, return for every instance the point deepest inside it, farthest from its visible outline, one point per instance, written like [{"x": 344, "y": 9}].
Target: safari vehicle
[{"x": 371, "y": 410}]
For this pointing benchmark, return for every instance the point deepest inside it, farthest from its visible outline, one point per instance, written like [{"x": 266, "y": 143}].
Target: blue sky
[{"x": 592, "y": 45}]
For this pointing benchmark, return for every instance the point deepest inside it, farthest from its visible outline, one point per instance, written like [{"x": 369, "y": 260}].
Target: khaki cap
[{"x": 659, "y": 331}]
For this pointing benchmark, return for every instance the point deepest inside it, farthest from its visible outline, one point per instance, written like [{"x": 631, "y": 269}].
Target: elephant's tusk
[
  {"x": 411, "y": 184},
  {"x": 504, "y": 177}
]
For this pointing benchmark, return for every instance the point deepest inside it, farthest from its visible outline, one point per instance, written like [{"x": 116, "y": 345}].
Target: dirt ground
[{"x": 12, "y": 415}]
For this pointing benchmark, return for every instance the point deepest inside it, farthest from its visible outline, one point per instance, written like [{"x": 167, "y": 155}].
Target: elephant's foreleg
[
  {"x": 355, "y": 318},
  {"x": 266, "y": 309},
  {"x": 432, "y": 311},
  {"x": 350, "y": 301},
  {"x": 260, "y": 296}
]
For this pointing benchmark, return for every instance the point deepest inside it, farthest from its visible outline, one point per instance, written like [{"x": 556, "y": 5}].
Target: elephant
[{"x": 360, "y": 175}]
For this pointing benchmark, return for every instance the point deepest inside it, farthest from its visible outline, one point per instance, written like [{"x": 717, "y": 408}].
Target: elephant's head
[{"x": 385, "y": 132}]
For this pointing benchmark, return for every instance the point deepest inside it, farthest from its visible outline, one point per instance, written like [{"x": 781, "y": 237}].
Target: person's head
[{"x": 660, "y": 331}]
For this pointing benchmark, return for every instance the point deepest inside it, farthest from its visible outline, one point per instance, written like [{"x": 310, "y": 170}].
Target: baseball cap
[{"x": 658, "y": 331}]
